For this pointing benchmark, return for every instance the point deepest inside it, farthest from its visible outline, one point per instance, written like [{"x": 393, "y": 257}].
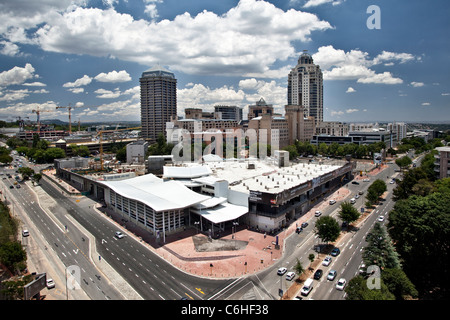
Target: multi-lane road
[
  {"x": 268, "y": 285},
  {"x": 145, "y": 272}
]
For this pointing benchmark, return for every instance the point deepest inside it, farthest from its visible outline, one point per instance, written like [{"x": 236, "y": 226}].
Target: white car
[
  {"x": 366, "y": 180},
  {"x": 392, "y": 182},
  {"x": 340, "y": 285},
  {"x": 290, "y": 275},
  {"x": 331, "y": 275},
  {"x": 381, "y": 218},
  {"x": 318, "y": 213},
  {"x": 119, "y": 235},
  {"x": 326, "y": 261},
  {"x": 25, "y": 233},
  {"x": 332, "y": 201},
  {"x": 281, "y": 271},
  {"x": 50, "y": 283}
]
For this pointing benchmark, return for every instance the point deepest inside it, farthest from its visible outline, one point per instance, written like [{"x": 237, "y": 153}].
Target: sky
[{"x": 390, "y": 62}]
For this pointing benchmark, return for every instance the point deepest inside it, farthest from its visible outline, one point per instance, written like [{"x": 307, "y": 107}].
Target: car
[
  {"x": 298, "y": 230},
  {"x": 366, "y": 180},
  {"x": 50, "y": 283},
  {"x": 11, "y": 187},
  {"x": 361, "y": 193},
  {"x": 307, "y": 287},
  {"x": 304, "y": 224},
  {"x": 281, "y": 271},
  {"x": 381, "y": 218},
  {"x": 355, "y": 182},
  {"x": 318, "y": 274},
  {"x": 317, "y": 213},
  {"x": 352, "y": 200},
  {"x": 18, "y": 186},
  {"x": 290, "y": 275},
  {"x": 25, "y": 233},
  {"x": 331, "y": 275},
  {"x": 119, "y": 235},
  {"x": 335, "y": 252},
  {"x": 362, "y": 269},
  {"x": 326, "y": 262},
  {"x": 340, "y": 285},
  {"x": 357, "y": 196},
  {"x": 392, "y": 182},
  {"x": 332, "y": 201}
]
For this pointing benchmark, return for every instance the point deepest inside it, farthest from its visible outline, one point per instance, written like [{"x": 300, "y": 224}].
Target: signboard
[
  {"x": 35, "y": 286},
  {"x": 377, "y": 158}
]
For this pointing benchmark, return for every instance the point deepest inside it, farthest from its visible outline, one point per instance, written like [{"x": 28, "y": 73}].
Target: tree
[
  {"x": 53, "y": 153},
  {"x": 348, "y": 212},
  {"x": 398, "y": 284},
  {"x": 380, "y": 250},
  {"x": 26, "y": 172},
  {"x": 403, "y": 162},
  {"x": 357, "y": 289},
  {"x": 298, "y": 268},
  {"x": 420, "y": 228},
  {"x": 37, "y": 177},
  {"x": 375, "y": 190},
  {"x": 11, "y": 254},
  {"x": 327, "y": 228},
  {"x": 311, "y": 259}
]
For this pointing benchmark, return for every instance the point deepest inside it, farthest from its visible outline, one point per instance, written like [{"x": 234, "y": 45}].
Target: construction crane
[
  {"x": 100, "y": 135},
  {"x": 38, "y": 111},
  {"x": 70, "y": 116}
]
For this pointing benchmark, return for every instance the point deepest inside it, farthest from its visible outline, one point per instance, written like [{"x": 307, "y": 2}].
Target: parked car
[
  {"x": 318, "y": 213},
  {"x": 25, "y": 233},
  {"x": 326, "y": 262},
  {"x": 50, "y": 283},
  {"x": 331, "y": 275},
  {"x": 332, "y": 201},
  {"x": 307, "y": 287},
  {"x": 352, "y": 200},
  {"x": 335, "y": 252},
  {"x": 318, "y": 274},
  {"x": 290, "y": 275},
  {"x": 355, "y": 182},
  {"x": 340, "y": 285},
  {"x": 281, "y": 271},
  {"x": 366, "y": 180},
  {"x": 304, "y": 224}
]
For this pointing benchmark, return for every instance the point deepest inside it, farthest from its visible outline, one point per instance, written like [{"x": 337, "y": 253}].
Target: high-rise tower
[
  {"x": 305, "y": 87},
  {"x": 158, "y": 101}
]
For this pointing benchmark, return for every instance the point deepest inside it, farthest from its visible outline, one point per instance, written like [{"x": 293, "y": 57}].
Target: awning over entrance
[{"x": 222, "y": 213}]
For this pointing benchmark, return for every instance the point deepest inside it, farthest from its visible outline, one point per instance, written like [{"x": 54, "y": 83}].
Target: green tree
[
  {"x": 357, "y": 289},
  {"x": 420, "y": 228},
  {"x": 403, "y": 162},
  {"x": 298, "y": 268},
  {"x": 348, "y": 212},
  {"x": 380, "y": 250},
  {"x": 327, "y": 228},
  {"x": 11, "y": 254},
  {"x": 399, "y": 284},
  {"x": 26, "y": 172}
]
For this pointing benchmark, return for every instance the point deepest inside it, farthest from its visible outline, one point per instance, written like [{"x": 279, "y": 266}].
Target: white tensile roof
[
  {"x": 158, "y": 194},
  {"x": 186, "y": 172}
]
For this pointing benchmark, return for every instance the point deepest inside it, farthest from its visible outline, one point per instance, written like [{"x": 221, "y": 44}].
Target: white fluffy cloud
[
  {"x": 355, "y": 65},
  {"x": 113, "y": 76},
  {"x": 248, "y": 38},
  {"x": 85, "y": 80},
  {"x": 17, "y": 75}
]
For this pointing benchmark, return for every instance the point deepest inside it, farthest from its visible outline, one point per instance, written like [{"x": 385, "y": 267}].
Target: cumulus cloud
[
  {"x": 85, "y": 80},
  {"x": 246, "y": 39},
  {"x": 350, "y": 90},
  {"x": 107, "y": 94},
  {"x": 355, "y": 65},
  {"x": 113, "y": 76},
  {"x": 315, "y": 3},
  {"x": 17, "y": 75}
]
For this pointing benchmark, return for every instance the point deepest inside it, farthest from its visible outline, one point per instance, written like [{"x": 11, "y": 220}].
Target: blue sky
[{"x": 90, "y": 55}]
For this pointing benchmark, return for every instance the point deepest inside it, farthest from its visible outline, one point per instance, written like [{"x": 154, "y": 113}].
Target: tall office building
[
  {"x": 229, "y": 112},
  {"x": 305, "y": 87},
  {"x": 158, "y": 101}
]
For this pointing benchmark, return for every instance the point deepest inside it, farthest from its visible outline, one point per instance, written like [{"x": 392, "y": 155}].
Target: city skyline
[{"x": 91, "y": 54}]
